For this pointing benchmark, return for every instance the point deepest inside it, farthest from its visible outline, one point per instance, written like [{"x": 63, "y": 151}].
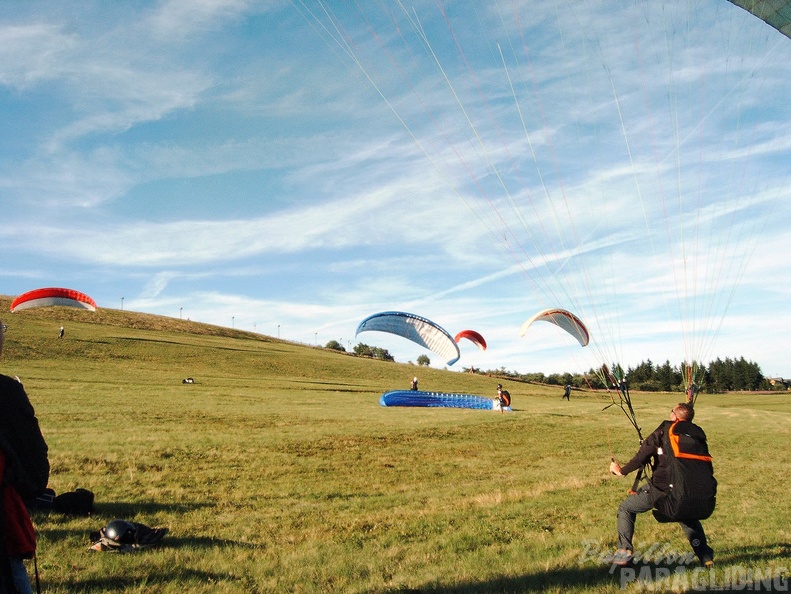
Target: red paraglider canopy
[
  {"x": 49, "y": 296},
  {"x": 472, "y": 336}
]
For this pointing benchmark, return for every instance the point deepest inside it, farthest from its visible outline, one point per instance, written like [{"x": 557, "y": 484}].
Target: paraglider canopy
[
  {"x": 776, "y": 13},
  {"x": 415, "y": 328},
  {"x": 473, "y": 337},
  {"x": 50, "y": 296},
  {"x": 563, "y": 318}
]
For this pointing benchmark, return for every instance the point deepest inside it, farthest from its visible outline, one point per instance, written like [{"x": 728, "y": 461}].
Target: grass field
[{"x": 278, "y": 471}]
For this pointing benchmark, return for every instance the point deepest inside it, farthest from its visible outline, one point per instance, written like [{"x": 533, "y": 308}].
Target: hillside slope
[{"x": 126, "y": 344}]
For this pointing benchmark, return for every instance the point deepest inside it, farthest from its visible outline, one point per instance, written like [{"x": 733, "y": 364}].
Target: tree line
[
  {"x": 719, "y": 376},
  {"x": 362, "y": 350}
]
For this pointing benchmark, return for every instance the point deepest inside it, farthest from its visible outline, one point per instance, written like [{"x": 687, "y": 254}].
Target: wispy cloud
[{"x": 215, "y": 160}]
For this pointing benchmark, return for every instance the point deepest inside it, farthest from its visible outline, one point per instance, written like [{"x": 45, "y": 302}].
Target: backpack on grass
[
  {"x": 76, "y": 503},
  {"x": 692, "y": 493}
]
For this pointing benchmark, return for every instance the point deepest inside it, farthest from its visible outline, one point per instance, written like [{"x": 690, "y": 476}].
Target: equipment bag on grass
[
  {"x": 121, "y": 536},
  {"x": 692, "y": 493}
]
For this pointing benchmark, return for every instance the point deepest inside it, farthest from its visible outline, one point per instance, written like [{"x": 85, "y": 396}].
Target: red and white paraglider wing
[
  {"x": 473, "y": 337},
  {"x": 50, "y": 296},
  {"x": 563, "y": 318}
]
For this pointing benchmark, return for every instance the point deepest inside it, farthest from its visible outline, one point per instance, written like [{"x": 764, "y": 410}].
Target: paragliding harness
[
  {"x": 692, "y": 492},
  {"x": 120, "y": 536},
  {"x": 503, "y": 397}
]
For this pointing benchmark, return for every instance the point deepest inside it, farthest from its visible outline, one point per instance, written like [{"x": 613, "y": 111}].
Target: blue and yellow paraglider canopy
[{"x": 418, "y": 329}]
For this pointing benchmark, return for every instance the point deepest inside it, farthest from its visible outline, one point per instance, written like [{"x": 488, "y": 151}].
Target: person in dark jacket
[
  {"x": 27, "y": 464},
  {"x": 645, "y": 498},
  {"x": 17, "y": 536}
]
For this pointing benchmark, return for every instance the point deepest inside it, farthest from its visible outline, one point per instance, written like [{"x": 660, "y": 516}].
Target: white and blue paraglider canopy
[{"x": 418, "y": 329}]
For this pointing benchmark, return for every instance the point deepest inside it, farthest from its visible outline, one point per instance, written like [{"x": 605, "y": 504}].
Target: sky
[{"x": 290, "y": 168}]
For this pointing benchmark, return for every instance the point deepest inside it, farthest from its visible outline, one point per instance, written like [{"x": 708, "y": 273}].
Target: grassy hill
[{"x": 277, "y": 471}]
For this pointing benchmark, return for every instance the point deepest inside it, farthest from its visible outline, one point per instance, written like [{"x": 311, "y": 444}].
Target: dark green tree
[
  {"x": 668, "y": 378},
  {"x": 381, "y": 354},
  {"x": 644, "y": 372},
  {"x": 363, "y": 350},
  {"x": 746, "y": 375},
  {"x": 720, "y": 375}
]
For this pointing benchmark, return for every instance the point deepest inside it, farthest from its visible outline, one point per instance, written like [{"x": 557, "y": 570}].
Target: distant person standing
[
  {"x": 414, "y": 384},
  {"x": 567, "y": 393},
  {"x": 61, "y": 332}
]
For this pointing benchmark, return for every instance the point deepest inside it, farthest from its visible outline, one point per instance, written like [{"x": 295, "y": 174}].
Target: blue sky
[{"x": 293, "y": 167}]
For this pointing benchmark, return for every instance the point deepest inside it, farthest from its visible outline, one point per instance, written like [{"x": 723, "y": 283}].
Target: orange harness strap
[{"x": 674, "y": 443}]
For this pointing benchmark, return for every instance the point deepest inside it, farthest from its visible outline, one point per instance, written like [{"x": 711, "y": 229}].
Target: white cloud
[
  {"x": 177, "y": 20},
  {"x": 213, "y": 157},
  {"x": 376, "y": 218},
  {"x": 32, "y": 53}
]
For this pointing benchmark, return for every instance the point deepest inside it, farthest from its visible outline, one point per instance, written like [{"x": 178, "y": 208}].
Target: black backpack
[
  {"x": 27, "y": 463},
  {"x": 692, "y": 491}
]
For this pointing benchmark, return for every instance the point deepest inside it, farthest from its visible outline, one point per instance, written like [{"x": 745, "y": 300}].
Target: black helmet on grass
[{"x": 120, "y": 531}]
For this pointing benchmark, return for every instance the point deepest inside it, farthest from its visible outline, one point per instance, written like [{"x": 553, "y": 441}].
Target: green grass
[{"x": 278, "y": 471}]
